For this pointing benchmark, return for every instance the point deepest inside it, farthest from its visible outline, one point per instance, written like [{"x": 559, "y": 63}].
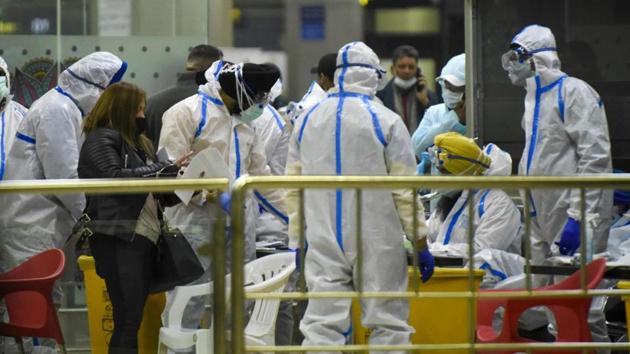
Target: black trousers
[{"x": 127, "y": 267}]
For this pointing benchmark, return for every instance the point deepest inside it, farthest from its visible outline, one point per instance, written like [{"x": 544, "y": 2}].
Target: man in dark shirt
[
  {"x": 407, "y": 93},
  {"x": 199, "y": 60}
]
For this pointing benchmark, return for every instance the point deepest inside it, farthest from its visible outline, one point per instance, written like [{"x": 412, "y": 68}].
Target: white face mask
[
  {"x": 251, "y": 113},
  {"x": 404, "y": 84},
  {"x": 451, "y": 99}
]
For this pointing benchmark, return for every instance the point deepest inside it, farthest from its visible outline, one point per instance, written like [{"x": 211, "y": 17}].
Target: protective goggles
[{"x": 518, "y": 54}]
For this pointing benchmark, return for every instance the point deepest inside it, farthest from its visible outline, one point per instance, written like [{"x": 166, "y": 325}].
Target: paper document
[{"x": 207, "y": 163}]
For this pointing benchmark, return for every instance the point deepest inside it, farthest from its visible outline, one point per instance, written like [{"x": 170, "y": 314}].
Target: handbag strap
[{"x": 160, "y": 211}]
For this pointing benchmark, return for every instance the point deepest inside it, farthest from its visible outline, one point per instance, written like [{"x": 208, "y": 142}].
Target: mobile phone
[{"x": 419, "y": 86}]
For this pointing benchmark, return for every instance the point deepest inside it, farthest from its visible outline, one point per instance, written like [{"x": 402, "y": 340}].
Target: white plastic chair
[{"x": 267, "y": 274}]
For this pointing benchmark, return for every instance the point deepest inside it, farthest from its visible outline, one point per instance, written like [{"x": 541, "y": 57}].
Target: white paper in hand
[{"x": 207, "y": 163}]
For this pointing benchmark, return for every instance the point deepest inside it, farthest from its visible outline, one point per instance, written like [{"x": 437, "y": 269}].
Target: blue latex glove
[
  {"x": 570, "y": 239},
  {"x": 621, "y": 197},
  {"x": 426, "y": 264},
  {"x": 425, "y": 163},
  {"x": 225, "y": 200}
]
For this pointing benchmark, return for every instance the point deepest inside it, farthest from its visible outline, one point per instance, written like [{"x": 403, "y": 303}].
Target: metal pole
[
  {"x": 238, "y": 248},
  {"x": 528, "y": 240},
  {"x": 415, "y": 283},
  {"x": 59, "y": 55},
  {"x": 359, "y": 241},
  {"x": 471, "y": 73},
  {"x": 583, "y": 275},
  {"x": 218, "y": 278},
  {"x": 470, "y": 199}
]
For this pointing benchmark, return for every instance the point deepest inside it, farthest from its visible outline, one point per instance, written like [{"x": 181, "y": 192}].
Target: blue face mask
[{"x": 251, "y": 113}]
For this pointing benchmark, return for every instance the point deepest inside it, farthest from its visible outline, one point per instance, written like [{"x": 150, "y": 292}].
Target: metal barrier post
[
  {"x": 218, "y": 278},
  {"x": 470, "y": 199},
  {"x": 238, "y": 281}
]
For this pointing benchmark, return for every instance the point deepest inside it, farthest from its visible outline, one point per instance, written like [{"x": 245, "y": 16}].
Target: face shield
[
  {"x": 517, "y": 63},
  {"x": 251, "y": 106}
]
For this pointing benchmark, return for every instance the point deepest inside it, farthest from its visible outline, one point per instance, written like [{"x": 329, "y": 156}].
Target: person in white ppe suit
[
  {"x": 46, "y": 146},
  {"x": 316, "y": 92},
  {"x": 496, "y": 220},
  {"x": 10, "y": 118},
  {"x": 271, "y": 129},
  {"x": 444, "y": 117},
  {"x": 349, "y": 133},
  {"x": 566, "y": 133},
  {"x": 220, "y": 116}
]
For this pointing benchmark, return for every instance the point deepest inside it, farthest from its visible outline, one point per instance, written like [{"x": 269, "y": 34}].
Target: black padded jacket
[{"x": 105, "y": 154}]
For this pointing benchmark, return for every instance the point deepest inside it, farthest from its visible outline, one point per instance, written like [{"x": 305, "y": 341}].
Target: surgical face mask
[
  {"x": 141, "y": 125},
  {"x": 404, "y": 84},
  {"x": 451, "y": 99},
  {"x": 5, "y": 95},
  {"x": 251, "y": 113}
]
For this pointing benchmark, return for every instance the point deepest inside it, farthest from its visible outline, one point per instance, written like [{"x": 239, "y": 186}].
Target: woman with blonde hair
[{"x": 125, "y": 226}]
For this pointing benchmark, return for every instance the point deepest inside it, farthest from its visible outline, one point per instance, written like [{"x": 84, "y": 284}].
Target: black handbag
[{"x": 175, "y": 262}]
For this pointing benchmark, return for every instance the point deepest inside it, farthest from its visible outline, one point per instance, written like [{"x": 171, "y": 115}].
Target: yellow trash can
[
  {"x": 436, "y": 321},
  {"x": 100, "y": 315},
  {"x": 626, "y": 299}
]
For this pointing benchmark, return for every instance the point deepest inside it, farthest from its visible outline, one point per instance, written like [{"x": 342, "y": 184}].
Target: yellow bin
[
  {"x": 626, "y": 299},
  {"x": 436, "y": 321},
  {"x": 100, "y": 315}
]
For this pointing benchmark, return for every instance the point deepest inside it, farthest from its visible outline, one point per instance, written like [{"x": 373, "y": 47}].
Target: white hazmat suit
[
  {"x": 274, "y": 134},
  {"x": 566, "y": 133},
  {"x": 10, "y": 118},
  {"x": 199, "y": 122},
  {"x": 349, "y": 133},
  {"x": 47, "y": 146},
  {"x": 313, "y": 96}
]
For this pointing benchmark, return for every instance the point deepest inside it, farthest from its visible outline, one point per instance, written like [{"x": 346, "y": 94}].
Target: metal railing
[
  {"x": 245, "y": 184},
  {"x": 122, "y": 186}
]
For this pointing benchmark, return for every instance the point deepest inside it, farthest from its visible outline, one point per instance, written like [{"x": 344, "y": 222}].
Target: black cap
[
  {"x": 327, "y": 65},
  {"x": 258, "y": 78}
]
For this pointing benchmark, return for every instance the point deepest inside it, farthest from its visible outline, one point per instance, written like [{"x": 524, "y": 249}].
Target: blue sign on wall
[{"x": 313, "y": 19}]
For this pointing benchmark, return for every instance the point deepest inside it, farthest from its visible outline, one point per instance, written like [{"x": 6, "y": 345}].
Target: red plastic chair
[
  {"x": 571, "y": 314},
  {"x": 27, "y": 293}
]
